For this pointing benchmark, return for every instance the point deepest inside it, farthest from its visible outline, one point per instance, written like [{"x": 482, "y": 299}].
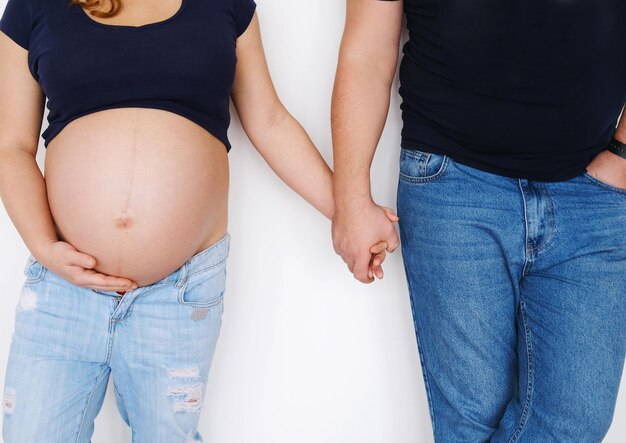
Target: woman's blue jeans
[
  {"x": 518, "y": 291},
  {"x": 156, "y": 341}
]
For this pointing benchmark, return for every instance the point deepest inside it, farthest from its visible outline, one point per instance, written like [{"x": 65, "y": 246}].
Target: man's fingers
[
  {"x": 390, "y": 214},
  {"x": 350, "y": 264},
  {"x": 361, "y": 268}
]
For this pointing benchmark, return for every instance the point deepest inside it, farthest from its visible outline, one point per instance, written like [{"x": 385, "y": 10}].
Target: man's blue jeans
[{"x": 518, "y": 291}]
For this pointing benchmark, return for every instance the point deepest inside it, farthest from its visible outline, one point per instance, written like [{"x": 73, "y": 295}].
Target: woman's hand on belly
[{"x": 76, "y": 267}]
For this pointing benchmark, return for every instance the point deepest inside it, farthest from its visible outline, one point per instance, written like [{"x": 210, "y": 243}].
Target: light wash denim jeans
[
  {"x": 518, "y": 291},
  {"x": 156, "y": 341}
]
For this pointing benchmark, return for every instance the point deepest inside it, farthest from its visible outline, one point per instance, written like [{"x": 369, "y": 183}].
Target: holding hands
[{"x": 362, "y": 235}]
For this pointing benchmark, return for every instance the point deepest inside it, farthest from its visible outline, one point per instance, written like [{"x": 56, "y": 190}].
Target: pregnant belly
[{"x": 141, "y": 190}]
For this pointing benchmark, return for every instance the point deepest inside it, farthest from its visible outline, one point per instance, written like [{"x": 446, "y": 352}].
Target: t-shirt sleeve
[
  {"x": 16, "y": 22},
  {"x": 244, "y": 11}
]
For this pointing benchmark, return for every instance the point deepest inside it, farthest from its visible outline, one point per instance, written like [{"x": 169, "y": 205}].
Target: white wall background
[{"x": 306, "y": 353}]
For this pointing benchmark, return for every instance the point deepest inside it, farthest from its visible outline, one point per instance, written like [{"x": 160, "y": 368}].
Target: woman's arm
[
  {"x": 22, "y": 186},
  {"x": 275, "y": 134},
  {"x": 280, "y": 139}
]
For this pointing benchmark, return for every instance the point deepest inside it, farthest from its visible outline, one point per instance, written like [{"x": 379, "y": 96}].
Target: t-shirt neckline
[{"x": 85, "y": 14}]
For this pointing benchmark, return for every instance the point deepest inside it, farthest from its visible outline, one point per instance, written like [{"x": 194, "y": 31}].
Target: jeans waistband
[{"x": 208, "y": 258}]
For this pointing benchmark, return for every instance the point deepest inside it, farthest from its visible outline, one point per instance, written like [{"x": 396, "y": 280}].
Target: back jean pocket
[
  {"x": 204, "y": 289},
  {"x": 421, "y": 166}
]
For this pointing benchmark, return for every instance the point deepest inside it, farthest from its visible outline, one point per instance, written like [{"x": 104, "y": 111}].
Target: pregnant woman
[{"x": 128, "y": 231}]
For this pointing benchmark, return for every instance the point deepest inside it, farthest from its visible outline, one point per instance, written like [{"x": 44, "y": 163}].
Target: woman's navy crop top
[{"x": 184, "y": 64}]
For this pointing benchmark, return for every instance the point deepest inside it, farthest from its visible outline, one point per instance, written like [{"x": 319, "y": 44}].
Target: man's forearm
[
  {"x": 359, "y": 110},
  {"x": 367, "y": 63}
]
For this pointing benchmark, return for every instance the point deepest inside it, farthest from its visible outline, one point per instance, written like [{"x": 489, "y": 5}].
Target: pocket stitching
[
  {"x": 208, "y": 268},
  {"x": 195, "y": 304},
  {"x": 443, "y": 168},
  {"x": 604, "y": 185},
  {"x": 40, "y": 273}
]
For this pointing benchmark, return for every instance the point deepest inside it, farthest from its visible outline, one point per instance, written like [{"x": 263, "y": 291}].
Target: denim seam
[
  {"x": 427, "y": 388},
  {"x": 128, "y": 413},
  {"x": 107, "y": 358},
  {"x": 549, "y": 241},
  {"x": 93, "y": 389},
  {"x": 127, "y": 313},
  {"x": 436, "y": 175},
  {"x": 526, "y": 259},
  {"x": 421, "y": 354},
  {"x": 530, "y": 377},
  {"x": 533, "y": 249},
  {"x": 423, "y": 164},
  {"x": 552, "y": 233}
]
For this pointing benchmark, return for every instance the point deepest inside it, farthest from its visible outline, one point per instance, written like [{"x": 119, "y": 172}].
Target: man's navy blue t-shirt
[{"x": 521, "y": 88}]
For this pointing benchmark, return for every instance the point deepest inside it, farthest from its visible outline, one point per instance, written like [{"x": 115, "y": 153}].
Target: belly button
[{"x": 123, "y": 221}]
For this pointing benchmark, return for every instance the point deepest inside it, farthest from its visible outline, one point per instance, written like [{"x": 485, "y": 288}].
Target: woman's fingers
[
  {"x": 108, "y": 288},
  {"x": 90, "y": 278},
  {"x": 81, "y": 259},
  {"x": 378, "y": 259},
  {"x": 376, "y": 264},
  {"x": 378, "y": 247},
  {"x": 390, "y": 214},
  {"x": 374, "y": 269}
]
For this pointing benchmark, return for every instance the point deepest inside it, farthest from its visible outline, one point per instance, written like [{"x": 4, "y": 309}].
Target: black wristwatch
[{"x": 617, "y": 147}]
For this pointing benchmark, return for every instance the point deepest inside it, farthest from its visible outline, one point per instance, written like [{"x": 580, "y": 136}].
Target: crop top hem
[{"x": 52, "y": 131}]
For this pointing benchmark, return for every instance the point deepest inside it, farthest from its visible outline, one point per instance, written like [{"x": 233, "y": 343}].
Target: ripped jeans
[{"x": 156, "y": 341}]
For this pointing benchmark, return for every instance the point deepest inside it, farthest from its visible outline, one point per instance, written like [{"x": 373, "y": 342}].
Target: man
[{"x": 511, "y": 198}]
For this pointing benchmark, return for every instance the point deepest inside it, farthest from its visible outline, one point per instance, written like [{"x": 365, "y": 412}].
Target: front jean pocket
[
  {"x": 421, "y": 166},
  {"x": 33, "y": 270},
  {"x": 604, "y": 185},
  {"x": 205, "y": 288}
]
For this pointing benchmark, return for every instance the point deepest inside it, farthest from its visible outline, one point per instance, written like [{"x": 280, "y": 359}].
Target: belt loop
[{"x": 182, "y": 276}]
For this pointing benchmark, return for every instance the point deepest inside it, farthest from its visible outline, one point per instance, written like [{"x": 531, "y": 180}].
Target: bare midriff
[{"x": 141, "y": 190}]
